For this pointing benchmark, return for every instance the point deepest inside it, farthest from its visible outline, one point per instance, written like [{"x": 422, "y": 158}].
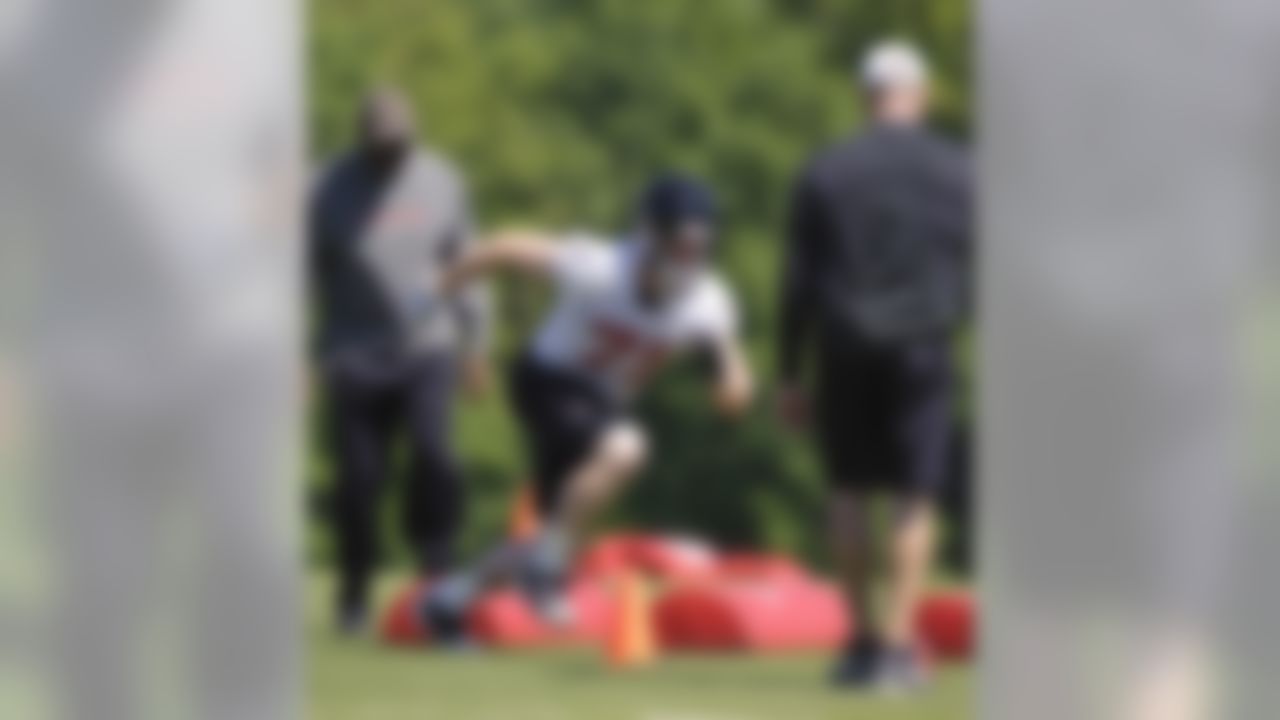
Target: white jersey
[{"x": 600, "y": 328}]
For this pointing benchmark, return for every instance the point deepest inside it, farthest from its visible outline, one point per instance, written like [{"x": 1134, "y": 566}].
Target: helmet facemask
[{"x": 672, "y": 258}]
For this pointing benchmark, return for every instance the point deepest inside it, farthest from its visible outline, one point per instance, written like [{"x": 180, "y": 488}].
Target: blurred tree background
[{"x": 557, "y": 111}]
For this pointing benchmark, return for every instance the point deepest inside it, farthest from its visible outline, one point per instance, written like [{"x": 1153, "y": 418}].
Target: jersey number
[{"x": 614, "y": 344}]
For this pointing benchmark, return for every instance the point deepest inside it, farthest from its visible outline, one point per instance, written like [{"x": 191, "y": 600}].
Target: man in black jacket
[{"x": 875, "y": 284}]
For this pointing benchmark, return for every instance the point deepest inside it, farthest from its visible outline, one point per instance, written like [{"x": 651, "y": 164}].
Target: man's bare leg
[
  {"x": 911, "y": 561},
  {"x": 618, "y": 457},
  {"x": 853, "y": 550},
  {"x": 913, "y": 539}
]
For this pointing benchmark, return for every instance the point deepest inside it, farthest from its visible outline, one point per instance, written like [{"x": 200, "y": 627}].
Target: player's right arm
[{"x": 523, "y": 251}]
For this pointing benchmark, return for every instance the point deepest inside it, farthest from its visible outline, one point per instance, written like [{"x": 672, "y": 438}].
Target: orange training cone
[
  {"x": 524, "y": 521},
  {"x": 630, "y": 642}
]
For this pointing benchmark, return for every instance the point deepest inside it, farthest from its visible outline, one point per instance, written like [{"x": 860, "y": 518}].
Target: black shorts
[
  {"x": 886, "y": 417},
  {"x": 563, "y": 415}
]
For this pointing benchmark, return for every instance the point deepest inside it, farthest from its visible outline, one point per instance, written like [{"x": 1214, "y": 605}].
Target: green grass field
[{"x": 361, "y": 680}]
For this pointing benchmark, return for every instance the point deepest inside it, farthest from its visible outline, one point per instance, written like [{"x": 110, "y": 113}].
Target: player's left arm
[
  {"x": 720, "y": 342},
  {"x": 733, "y": 384}
]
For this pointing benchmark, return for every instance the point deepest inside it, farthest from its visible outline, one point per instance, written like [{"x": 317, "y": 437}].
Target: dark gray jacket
[
  {"x": 878, "y": 244},
  {"x": 377, "y": 248}
]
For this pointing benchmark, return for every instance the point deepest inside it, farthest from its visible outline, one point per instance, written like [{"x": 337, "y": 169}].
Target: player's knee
[{"x": 627, "y": 448}]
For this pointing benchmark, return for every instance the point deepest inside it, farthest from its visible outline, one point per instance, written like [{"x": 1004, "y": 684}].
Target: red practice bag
[
  {"x": 947, "y": 623},
  {"x": 504, "y": 619},
  {"x": 760, "y": 566},
  {"x": 659, "y": 557},
  {"x": 401, "y": 623},
  {"x": 763, "y": 615}
]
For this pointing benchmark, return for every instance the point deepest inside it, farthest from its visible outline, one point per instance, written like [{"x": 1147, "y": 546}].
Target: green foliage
[{"x": 558, "y": 110}]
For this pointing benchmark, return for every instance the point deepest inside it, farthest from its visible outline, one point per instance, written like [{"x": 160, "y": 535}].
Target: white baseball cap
[{"x": 893, "y": 64}]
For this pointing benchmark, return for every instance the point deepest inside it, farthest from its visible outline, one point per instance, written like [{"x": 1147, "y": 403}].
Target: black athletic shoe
[
  {"x": 901, "y": 671},
  {"x": 859, "y": 664},
  {"x": 352, "y": 620}
]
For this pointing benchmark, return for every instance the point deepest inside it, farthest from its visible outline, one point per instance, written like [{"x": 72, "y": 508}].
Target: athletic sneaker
[
  {"x": 859, "y": 664},
  {"x": 352, "y": 620},
  {"x": 445, "y": 619},
  {"x": 544, "y": 588},
  {"x": 901, "y": 671},
  {"x": 542, "y": 576}
]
